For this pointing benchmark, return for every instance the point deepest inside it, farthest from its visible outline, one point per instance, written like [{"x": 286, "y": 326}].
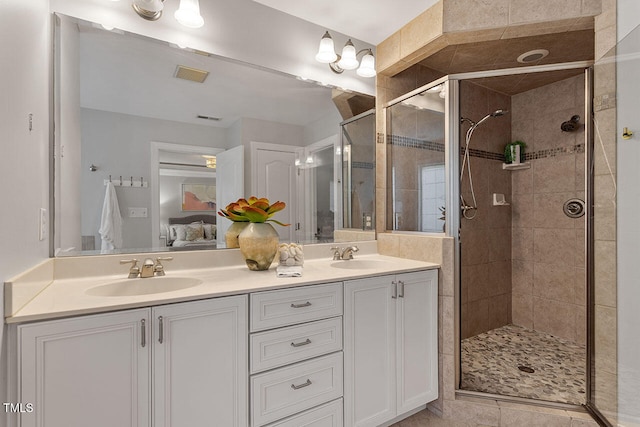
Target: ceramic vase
[
  {"x": 231, "y": 236},
  {"x": 259, "y": 245}
]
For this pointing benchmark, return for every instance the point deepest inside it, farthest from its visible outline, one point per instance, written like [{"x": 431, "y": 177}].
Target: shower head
[
  {"x": 570, "y": 125},
  {"x": 496, "y": 113}
]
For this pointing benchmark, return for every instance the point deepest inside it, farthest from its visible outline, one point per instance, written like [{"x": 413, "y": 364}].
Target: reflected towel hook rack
[{"x": 130, "y": 183}]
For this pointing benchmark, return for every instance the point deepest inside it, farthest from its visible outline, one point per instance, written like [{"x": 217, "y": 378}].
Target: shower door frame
[{"x": 453, "y": 221}]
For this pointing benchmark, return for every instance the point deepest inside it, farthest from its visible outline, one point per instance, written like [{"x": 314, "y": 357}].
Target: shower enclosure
[
  {"x": 520, "y": 228},
  {"x": 358, "y": 171}
]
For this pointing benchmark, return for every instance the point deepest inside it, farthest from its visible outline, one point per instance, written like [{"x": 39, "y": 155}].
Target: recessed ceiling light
[{"x": 532, "y": 56}]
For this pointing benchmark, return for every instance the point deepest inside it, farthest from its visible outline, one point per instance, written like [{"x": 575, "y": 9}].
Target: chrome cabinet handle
[
  {"x": 305, "y": 384},
  {"x": 300, "y": 344},
  {"x": 160, "y": 329},
  {"x": 401, "y": 294},
  {"x": 306, "y": 304},
  {"x": 395, "y": 290},
  {"x": 143, "y": 331}
]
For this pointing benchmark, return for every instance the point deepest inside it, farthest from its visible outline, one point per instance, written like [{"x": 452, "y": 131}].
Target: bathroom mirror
[{"x": 130, "y": 110}]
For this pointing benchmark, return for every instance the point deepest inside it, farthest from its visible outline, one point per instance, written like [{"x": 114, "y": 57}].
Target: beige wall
[{"x": 549, "y": 292}]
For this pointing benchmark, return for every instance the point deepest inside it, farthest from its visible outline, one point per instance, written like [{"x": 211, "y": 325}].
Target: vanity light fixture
[
  {"x": 348, "y": 60},
  {"x": 188, "y": 14}
]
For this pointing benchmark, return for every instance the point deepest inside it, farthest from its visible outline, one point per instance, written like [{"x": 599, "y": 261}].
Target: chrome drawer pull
[
  {"x": 160, "y": 329},
  {"x": 300, "y": 344},
  {"x": 306, "y": 304},
  {"x": 296, "y": 387},
  {"x": 143, "y": 332}
]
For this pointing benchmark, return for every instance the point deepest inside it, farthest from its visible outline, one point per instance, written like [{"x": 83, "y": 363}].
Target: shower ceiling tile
[{"x": 568, "y": 46}]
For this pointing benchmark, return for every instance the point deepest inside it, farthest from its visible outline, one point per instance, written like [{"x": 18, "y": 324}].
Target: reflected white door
[
  {"x": 274, "y": 176},
  {"x": 229, "y": 185}
]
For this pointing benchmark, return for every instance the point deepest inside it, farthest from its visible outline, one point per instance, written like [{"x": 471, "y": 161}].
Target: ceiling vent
[
  {"x": 215, "y": 119},
  {"x": 192, "y": 74}
]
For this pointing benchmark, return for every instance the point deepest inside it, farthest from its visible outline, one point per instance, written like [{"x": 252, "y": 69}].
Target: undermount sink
[
  {"x": 146, "y": 286},
  {"x": 360, "y": 264}
]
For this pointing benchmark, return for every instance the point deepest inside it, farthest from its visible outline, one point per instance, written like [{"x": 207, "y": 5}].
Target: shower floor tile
[{"x": 490, "y": 364}]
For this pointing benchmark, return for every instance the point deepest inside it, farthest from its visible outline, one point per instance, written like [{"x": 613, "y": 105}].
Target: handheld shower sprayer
[{"x": 470, "y": 211}]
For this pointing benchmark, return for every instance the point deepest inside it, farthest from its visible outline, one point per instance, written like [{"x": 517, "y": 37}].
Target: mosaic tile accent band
[
  {"x": 553, "y": 152},
  {"x": 403, "y": 141},
  {"x": 490, "y": 364},
  {"x": 362, "y": 165}
]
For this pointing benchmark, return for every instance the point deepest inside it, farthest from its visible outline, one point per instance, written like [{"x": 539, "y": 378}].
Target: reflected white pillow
[
  {"x": 210, "y": 231},
  {"x": 177, "y": 232}
]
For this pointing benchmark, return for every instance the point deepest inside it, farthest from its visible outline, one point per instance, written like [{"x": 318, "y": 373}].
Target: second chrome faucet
[
  {"x": 344, "y": 253},
  {"x": 149, "y": 267}
]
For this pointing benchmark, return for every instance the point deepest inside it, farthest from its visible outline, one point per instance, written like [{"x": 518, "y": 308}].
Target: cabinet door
[
  {"x": 417, "y": 339},
  {"x": 369, "y": 351},
  {"x": 88, "y": 371},
  {"x": 200, "y": 363}
]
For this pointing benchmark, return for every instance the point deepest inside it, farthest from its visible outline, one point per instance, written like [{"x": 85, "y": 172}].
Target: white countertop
[{"x": 68, "y": 297}]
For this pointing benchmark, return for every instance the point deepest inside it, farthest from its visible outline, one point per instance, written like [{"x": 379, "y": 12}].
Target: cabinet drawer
[
  {"x": 328, "y": 415},
  {"x": 287, "y": 391},
  {"x": 287, "y": 307},
  {"x": 284, "y": 346}
]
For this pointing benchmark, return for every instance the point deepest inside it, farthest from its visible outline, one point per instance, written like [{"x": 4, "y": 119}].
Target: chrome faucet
[
  {"x": 347, "y": 253},
  {"x": 344, "y": 253},
  {"x": 158, "y": 269},
  {"x": 147, "y": 268},
  {"x": 134, "y": 271}
]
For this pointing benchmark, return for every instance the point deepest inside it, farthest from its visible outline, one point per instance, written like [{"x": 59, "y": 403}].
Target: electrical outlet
[
  {"x": 42, "y": 224},
  {"x": 137, "y": 212}
]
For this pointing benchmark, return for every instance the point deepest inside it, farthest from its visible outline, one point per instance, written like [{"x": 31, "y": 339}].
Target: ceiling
[
  {"x": 500, "y": 54},
  {"x": 371, "y": 21}
]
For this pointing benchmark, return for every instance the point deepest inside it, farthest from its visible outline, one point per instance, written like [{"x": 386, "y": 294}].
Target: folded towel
[
  {"x": 111, "y": 221},
  {"x": 289, "y": 271}
]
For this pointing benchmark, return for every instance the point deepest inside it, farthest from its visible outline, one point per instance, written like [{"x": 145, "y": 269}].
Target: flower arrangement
[{"x": 254, "y": 210}]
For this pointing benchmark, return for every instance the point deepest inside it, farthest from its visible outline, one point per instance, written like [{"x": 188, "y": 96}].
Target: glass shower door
[{"x": 358, "y": 171}]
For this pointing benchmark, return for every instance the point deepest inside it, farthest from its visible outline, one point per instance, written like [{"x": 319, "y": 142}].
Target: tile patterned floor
[
  {"x": 490, "y": 364},
  {"x": 428, "y": 419}
]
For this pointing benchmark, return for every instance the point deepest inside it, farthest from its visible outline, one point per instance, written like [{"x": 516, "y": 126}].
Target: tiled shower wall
[
  {"x": 486, "y": 239},
  {"x": 548, "y": 248}
]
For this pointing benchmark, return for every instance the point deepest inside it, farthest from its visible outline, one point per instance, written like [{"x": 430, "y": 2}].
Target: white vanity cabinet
[
  {"x": 296, "y": 356},
  {"x": 390, "y": 346},
  {"x": 100, "y": 370},
  {"x": 90, "y": 370},
  {"x": 200, "y": 363}
]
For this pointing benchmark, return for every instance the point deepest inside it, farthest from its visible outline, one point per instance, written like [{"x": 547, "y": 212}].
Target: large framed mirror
[{"x": 181, "y": 133}]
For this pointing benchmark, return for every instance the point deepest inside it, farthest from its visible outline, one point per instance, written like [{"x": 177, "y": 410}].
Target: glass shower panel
[
  {"x": 615, "y": 385},
  {"x": 358, "y": 171},
  {"x": 416, "y": 163}
]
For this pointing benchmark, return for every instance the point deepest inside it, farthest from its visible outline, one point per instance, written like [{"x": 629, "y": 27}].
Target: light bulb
[
  {"x": 348, "y": 60},
  {"x": 326, "y": 52},
  {"x": 189, "y": 14},
  {"x": 367, "y": 66}
]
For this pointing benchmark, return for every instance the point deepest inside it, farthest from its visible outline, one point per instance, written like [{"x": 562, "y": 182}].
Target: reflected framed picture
[{"x": 198, "y": 197}]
